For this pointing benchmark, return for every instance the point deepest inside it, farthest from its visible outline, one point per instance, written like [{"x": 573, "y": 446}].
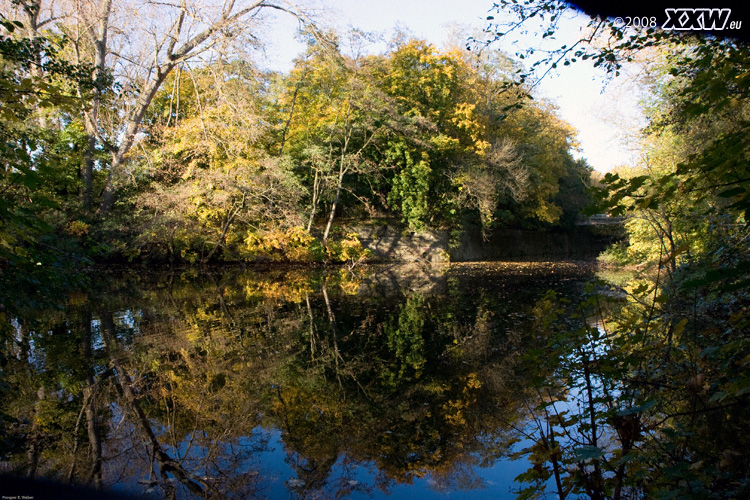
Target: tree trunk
[
  {"x": 35, "y": 447},
  {"x": 335, "y": 203},
  {"x": 98, "y": 34},
  {"x": 315, "y": 199},
  {"x": 95, "y": 441},
  {"x": 291, "y": 111},
  {"x": 109, "y": 196},
  {"x": 227, "y": 224},
  {"x": 87, "y": 171}
]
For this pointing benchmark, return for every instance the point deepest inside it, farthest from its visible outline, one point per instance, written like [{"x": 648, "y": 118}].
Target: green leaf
[
  {"x": 638, "y": 408},
  {"x": 588, "y": 452}
]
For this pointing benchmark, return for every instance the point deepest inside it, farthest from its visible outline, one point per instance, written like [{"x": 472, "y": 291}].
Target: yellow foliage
[
  {"x": 466, "y": 119},
  {"x": 472, "y": 382},
  {"x": 293, "y": 289},
  {"x": 348, "y": 284},
  {"x": 454, "y": 414},
  {"x": 348, "y": 248},
  {"x": 194, "y": 334},
  {"x": 292, "y": 245},
  {"x": 454, "y": 409},
  {"x": 77, "y": 228},
  {"x": 445, "y": 142}
]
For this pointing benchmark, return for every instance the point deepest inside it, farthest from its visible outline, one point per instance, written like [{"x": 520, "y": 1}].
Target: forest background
[
  {"x": 144, "y": 132},
  {"x": 131, "y": 139}
]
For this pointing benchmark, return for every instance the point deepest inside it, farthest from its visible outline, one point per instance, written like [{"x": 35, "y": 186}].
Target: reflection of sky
[
  {"x": 276, "y": 472},
  {"x": 265, "y": 453},
  {"x": 599, "y": 116}
]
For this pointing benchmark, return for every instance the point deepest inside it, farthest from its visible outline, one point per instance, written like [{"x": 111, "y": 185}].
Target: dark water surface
[{"x": 407, "y": 382}]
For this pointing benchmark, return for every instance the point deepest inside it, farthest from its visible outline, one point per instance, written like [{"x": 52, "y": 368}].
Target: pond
[{"x": 385, "y": 381}]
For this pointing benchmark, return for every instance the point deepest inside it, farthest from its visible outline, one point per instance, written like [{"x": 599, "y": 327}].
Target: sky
[{"x": 600, "y": 112}]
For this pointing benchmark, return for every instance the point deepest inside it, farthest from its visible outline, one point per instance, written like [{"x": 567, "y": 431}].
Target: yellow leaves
[
  {"x": 472, "y": 382},
  {"x": 680, "y": 327},
  {"x": 455, "y": 408},
  {"x": 454, "y": 412},
  {"x": 466, "y": 119},
  {"x": 548, "y": 212},
  {"x": 435, "y": 388},
  {"x": 77, "y": 228},
  {"x": 445, "y": 143},
  {"x": 194, "y": 334},
  {"x": 189, "y": 171},
  {"x": 294, "y": 244},
  {"x": 348, "y": 248},
  {"x": 463, "y": 114},
  {"x": 348, "y": 284},
  {"x": 214, "y": 124},
  {"x": 294, "y": 289}
]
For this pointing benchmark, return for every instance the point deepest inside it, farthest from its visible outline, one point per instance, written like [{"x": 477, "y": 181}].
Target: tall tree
[
  {"x": 336, "y": 112},
  {"x": 139, "y": 45},
  {"x": 210, "y": 179}
]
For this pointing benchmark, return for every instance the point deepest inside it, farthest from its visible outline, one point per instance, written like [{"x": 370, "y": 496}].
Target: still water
[{"x": 402, "y": 382}]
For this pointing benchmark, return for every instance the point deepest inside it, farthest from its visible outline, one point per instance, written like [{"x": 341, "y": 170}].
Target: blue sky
[{"x": 599, "y": 115}]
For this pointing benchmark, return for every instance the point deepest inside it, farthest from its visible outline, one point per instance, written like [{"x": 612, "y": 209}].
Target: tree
[
  {"x": 500, "y": 178},
  {"x": 209, "y": 177},
  {"x": 470, "y": 147},
  {"x": 336, "y": 112},
  {"x": 676, "y": 340},
  {"x": 33, "y": 81},
  {"x": 156, "y": 38}
]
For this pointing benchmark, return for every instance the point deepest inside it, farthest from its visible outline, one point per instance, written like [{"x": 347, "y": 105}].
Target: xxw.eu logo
[{"x": 699, "y": 19}]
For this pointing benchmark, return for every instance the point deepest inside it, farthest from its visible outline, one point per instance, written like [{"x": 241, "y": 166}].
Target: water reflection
[{"x": 249, "y": 384}]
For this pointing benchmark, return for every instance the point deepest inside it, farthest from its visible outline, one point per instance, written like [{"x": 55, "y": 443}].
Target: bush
[
  {"x": 291, "y": 245},
  {"x": 348, "y": 248}
]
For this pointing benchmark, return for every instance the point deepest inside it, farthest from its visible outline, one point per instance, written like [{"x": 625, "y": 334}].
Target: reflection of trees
[
  {"x": 168, "y": 383},
  {"x": 166, "y": 464},
  {"x": 622, "y": 408},
  {"x": 53, "y": 399},
  {"x": 420, "y": 389}
]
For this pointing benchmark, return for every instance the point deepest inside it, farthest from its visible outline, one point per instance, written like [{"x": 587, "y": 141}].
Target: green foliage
[
  {"x": 411, "y": 188},
  {"x": 574, "y": 195},
  {"x": 415, "y": 384},
  {"x": 417, "y": 133},
  {"x": 37, "y": 244},
  {"x": 33, "y": 75},
  {"x": 661, "y": 375},
  {"x": 640, "y": 401},
  {"x": 405, "y": 338}
]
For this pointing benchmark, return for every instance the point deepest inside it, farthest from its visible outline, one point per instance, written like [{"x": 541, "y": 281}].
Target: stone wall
[
  {"x": 520, "y": 244},
  {"x": 393, "y": 242},
  {"x": 396, "y": 244}
]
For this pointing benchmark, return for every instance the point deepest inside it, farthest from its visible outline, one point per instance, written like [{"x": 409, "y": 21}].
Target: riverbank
[{"x": 393, "y": 243}]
